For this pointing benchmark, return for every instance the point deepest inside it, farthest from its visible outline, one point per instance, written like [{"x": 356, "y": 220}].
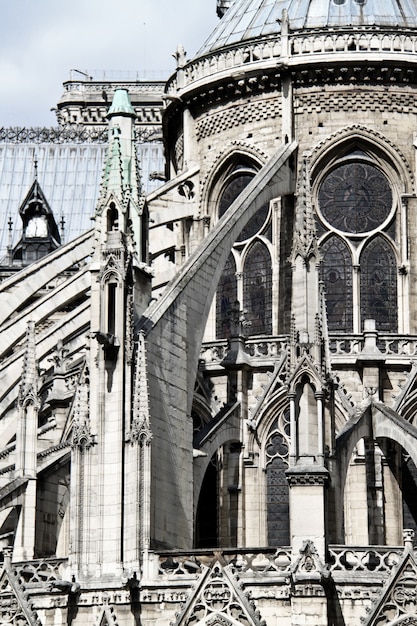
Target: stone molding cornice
[
  {"x": 307, "y": 476},
  {"x": 252, "y": 61}
]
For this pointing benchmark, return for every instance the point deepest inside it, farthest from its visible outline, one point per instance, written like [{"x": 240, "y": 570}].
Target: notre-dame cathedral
[{"x": 208, "y": 392}]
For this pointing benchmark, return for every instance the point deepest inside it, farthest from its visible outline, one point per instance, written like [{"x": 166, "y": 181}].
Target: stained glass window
[
  {"x": 379, "y": 285},
  {"x": 257, "y": 290},
  {"x": 229, "y": 195},
  {"x": 337, "y": 277},
  {"x": 355, "y": 198},
  {"x": 226, "y": 298},
  {"x": 277, "y": 498}
]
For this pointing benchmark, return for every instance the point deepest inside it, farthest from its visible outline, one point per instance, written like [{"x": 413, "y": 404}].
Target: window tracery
[
  {"x": 379, "y": 284},
  {"x": 277, "y": 490},
  {"x": 247, "y": 276},
  {"x": 356, "y": 201}
]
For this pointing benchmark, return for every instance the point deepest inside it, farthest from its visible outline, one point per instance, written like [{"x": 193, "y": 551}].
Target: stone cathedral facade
[{"x": 208, "y": 400}]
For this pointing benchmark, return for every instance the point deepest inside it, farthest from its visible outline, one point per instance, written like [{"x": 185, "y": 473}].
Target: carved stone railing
[
  {"x": 277, "y": 561},
  {"x": 372, "y": 45},
  {"x": 258, "y": 348},
  {"x": 39, "y": 573},
  {"x": 353, "y": 41},
  {"x": 247, "y": 562},
  {"x": 389, "y": 345},
  {"x": 380, "y": 559}
]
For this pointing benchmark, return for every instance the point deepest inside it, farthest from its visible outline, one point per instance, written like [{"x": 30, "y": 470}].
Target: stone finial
[
  {"x": 180, "y": 56},
  {"x": 141, "y": 428},
  {"x": 305, "y": 238},
  {"x": 28, "y": 392}
]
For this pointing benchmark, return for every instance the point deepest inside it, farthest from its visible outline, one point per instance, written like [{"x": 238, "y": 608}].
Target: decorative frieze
[
  {"x": 367, "y": 100},
  {"x": 240, "y": 115}
]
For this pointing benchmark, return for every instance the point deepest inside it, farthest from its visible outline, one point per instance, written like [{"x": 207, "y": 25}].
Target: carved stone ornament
[
  {"x": 81, "y": 432},
  {"x": 398, "y": 604},
  {"x": 107, "y": 617},
  {"x": 308, "y": 565},
  {"x": 15, "y": 609},
  {"x": 219, "y": 600}
]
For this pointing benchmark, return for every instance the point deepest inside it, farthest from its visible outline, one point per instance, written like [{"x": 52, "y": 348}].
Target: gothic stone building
[{"x": 207, "y": 401}]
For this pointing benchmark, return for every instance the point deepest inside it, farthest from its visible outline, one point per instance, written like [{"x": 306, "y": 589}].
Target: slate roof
[{"x": 69, "y": 173}]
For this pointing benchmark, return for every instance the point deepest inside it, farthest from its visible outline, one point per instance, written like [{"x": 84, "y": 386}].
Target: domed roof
[{"x": 249, "y": 19}]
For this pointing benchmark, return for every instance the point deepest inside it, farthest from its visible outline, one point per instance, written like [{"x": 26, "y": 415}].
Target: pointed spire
[
  {"x": 120, "y": 171},
  {"x": 121, "y": 178},
  {"x": 141, "y": 427},
  {"x": 28, "y": 392},
  {"x": 305, "y": 237},
  {"x": 81, "y": 431}
]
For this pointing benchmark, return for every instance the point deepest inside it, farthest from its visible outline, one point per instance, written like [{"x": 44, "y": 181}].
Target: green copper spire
[{"x": 121, "y": 104}]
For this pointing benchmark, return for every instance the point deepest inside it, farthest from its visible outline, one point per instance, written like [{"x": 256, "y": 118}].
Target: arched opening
[
  {"x": 112, "y": 219},
  {"x": 217, "y": 512},
  {"x": 380, "y": 494},
  {"x": 206, "y": 528}
]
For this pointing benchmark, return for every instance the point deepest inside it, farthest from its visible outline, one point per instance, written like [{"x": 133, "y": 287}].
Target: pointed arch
[
  {"x": 371, "y": 141},
  {"x": 378, "y": 290}
]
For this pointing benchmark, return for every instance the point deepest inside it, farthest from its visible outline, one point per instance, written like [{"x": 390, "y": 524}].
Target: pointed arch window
[
  {"x": 226, "y": 298},
  {"x": 379, "y": 284},
  {"x": 357, "y": 201},
  {"x": 277, "y": 489},
  {"x": 257, "y": 289},
  {"x": 246, "y": 281},
  {"x": 336, "y": 274}
]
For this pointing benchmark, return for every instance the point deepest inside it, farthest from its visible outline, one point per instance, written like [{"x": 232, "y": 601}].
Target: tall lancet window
[
  {"x": 226, "y": 298},
  {"x": 246, "y": 281},
  {"x": 357, "y": 204},
  {"x": 257, "y": 289},
  {"x": 379, "y": 284},
  {"x": 337, "y": 277},
  {"x": 277, "y": 490}
]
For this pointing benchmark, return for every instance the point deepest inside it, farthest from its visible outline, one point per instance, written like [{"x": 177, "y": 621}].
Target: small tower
[{"x": 120, "y": 291}]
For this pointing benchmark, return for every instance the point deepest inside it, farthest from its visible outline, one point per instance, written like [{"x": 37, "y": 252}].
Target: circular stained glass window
[{"x": 355, "y": 198}]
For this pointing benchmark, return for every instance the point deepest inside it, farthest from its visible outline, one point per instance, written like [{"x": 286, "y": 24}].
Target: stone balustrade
[
  {"x": 256, "y": 561},
  {"x": 358, "y": 559},
  {"x": 260, "y": 349},
  {"x": 276, "y": 51},
  {"x": 391, "y": 346},
  {"x": 39, "y": 573}
]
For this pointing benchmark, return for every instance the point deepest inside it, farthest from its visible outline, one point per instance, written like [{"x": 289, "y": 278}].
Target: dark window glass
[
  {"x": 226, "y": 298},
  {"x": 229, "y": 195},
  {"x": 336, "y": 272},
  {"x": 379, "y": 285},
  {"x": 355, "y": 198},
  {"x": 277, "y": 498},
  {"x": 257, "y": 290}
]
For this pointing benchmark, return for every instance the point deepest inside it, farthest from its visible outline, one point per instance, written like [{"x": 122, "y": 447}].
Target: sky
[{"x": 41, "y": 41}]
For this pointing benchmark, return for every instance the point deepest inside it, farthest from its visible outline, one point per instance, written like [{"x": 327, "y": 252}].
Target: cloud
[{"x": 41, "y": 41}]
